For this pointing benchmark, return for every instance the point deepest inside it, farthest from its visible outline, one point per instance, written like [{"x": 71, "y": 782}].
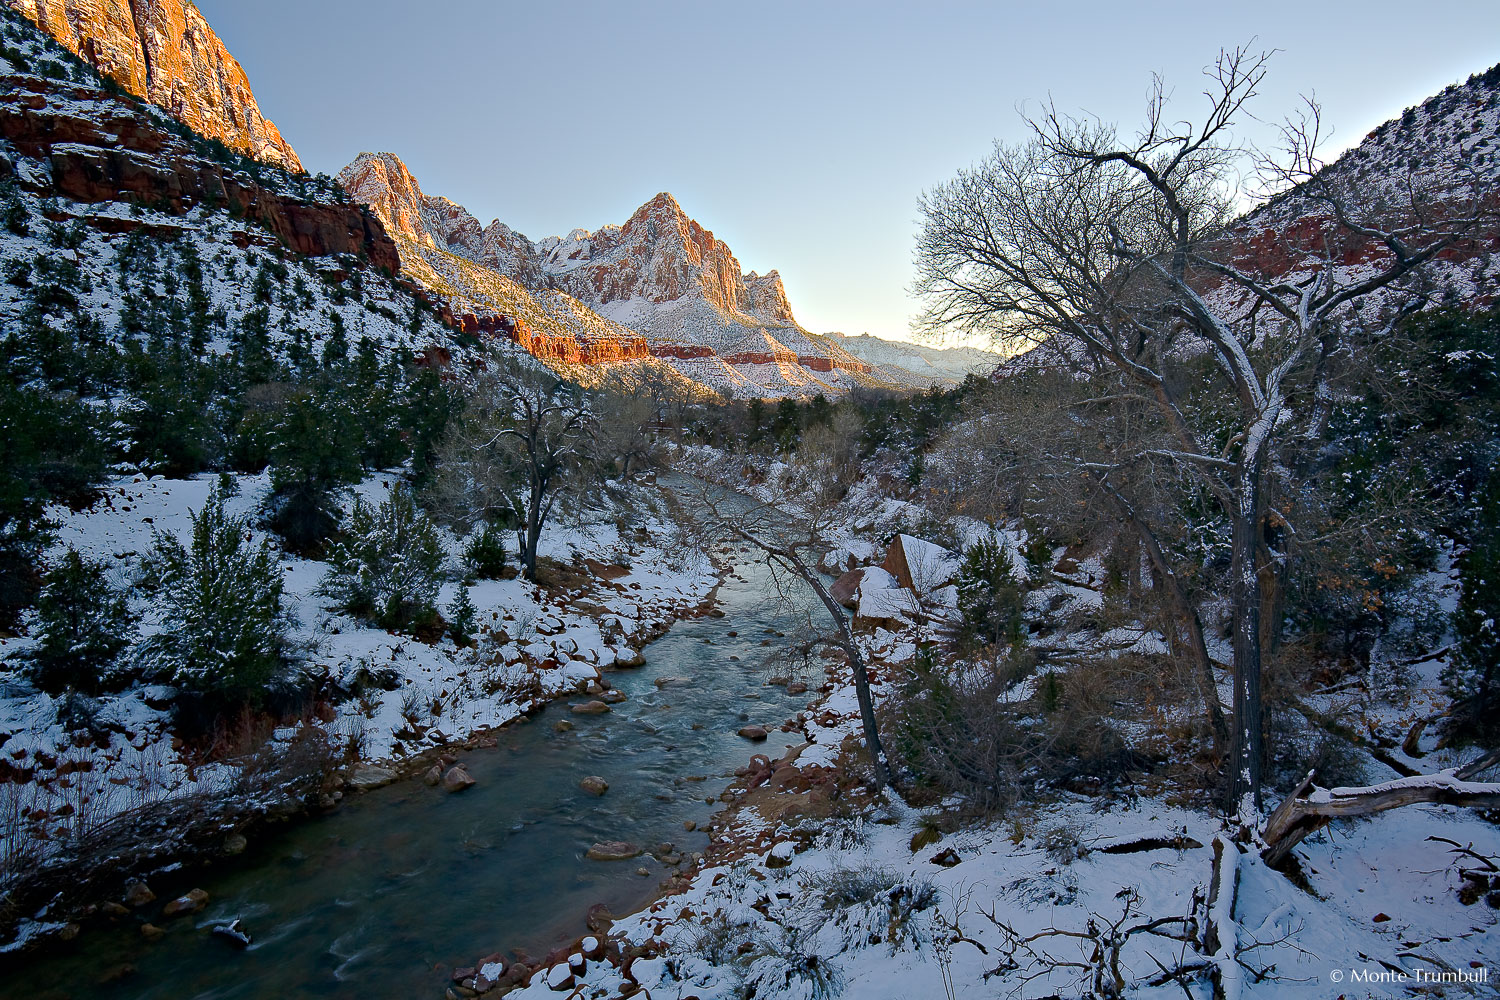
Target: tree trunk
[
  {"x": 1247, "y": 734},
  {"x": 1181, "y": 609},
  {"x": 857, "y": 665},
  {"x": 533, "y": 536}
]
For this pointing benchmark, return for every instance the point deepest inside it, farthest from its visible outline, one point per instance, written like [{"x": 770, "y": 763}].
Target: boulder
[
  {"x": 845, "y": 589},
  {"x": 194, "y": 901},
  {"x": 457, "y": 779},
  {"x": 754, "y": 733},
  {"x": 613, "y": 850},
  {"x": 613, "y": 696},
  {"x": 138, "y": 894},
  {"x": 594, "y": 785},
  {"x": 368, "y": 776},
  {"x": 590, "y": 708},
  {"x": 433, "y": 775}
]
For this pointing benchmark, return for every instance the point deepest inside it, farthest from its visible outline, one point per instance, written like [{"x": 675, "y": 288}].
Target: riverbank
[
  {"x": 407, "y": 877},
  {"x": 123, "y": 787}
]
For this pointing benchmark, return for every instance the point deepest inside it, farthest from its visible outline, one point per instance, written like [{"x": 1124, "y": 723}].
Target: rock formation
[
  {"x": 165, "y": 52},
  {"x": 100, "y": 148}
]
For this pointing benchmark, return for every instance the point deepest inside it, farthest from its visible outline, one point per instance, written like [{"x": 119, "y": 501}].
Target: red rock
[{"x": 165, "y": 52}]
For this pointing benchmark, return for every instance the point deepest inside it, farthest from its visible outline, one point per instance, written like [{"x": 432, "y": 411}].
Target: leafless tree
[
  {"x": 1117, "y": 254},
  {"x": 793, "y": 519},
  {"x": 521, "y": 441}
]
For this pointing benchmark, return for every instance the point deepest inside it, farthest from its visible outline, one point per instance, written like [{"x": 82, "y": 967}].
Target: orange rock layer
[
  {"x": 102, "y": 149},
  {"x": 165, "y": 52}
]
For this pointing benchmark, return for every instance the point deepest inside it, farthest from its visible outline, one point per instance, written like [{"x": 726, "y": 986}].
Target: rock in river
[
  {"x": 755, "y": 733},
  {"x": 594, "y": 785},
  {"x": 613, "y": 850},
  {"x": 457, "y": 779},
  {"x": 590, "y": 708},
  {"x": 194, "y": 901}
]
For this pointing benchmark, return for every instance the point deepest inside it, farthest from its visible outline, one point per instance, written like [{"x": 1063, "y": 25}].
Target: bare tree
[
  {"x": 792, "y": 520},
  {"x": 521, "y": 441},
  {"x": 1117, "y": 252}
]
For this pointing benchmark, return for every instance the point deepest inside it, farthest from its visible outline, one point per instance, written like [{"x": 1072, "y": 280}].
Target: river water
[{"x": 385, "y": 896}]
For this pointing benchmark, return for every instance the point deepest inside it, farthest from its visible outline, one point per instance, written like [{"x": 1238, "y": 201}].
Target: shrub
[
  {"x": 223, "y": 630},
  {"x": 385, "y": 569},
  {"x": 485, "y": 553},
  {"x": 83, "y": 626},
  {"x": 989, "y": 598}
]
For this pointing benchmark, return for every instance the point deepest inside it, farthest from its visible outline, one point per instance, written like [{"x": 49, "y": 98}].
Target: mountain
[
  {"x": 165, "y": 52},
  {"x": 120, "y": 224},
  {"x": 952, "y": 364},
  {"x": 660, "y": 286}
]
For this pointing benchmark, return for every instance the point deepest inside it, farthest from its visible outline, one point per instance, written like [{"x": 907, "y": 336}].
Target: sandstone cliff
[
  {"x": 165, "y": 52},
  {"x": 100, "y": 148}
]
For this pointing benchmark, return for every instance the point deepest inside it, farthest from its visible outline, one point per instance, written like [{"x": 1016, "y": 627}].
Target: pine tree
[
  {"x": 461, "y": 616},
  {"x": 989, "y": 597},
  {"x": 222, "y": 628},
  {"x": 83, "y": 625},
  {"x": 386, "y": 567},
  {"x": 312, "y": 461}
]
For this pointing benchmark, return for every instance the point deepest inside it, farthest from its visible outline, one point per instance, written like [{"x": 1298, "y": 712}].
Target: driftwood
[{"x": 1310, "y": 808}]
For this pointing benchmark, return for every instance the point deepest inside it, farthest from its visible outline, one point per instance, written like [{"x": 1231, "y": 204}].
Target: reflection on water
[{"x": 383, "y": 897}]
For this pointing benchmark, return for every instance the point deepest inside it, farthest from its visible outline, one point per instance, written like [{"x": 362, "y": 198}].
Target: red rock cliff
[
  {"x": 102, "y": 148},
  {"x": 165, "y": 52}
]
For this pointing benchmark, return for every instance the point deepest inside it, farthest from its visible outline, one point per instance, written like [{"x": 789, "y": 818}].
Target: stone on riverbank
[
  {"x": 613, "y": 850},
  {"x": 138, "y": 894},
  {"x": 369, "y": 776},
  {"x": 457, "y": 779},
  {"x": 194, "y": 901}
]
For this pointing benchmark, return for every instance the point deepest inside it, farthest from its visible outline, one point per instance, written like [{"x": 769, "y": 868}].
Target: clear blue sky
[{"x": 800, "y": 131}]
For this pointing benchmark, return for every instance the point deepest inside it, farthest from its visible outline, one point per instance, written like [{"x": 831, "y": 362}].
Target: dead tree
[{"x": 1309, "y": 808}]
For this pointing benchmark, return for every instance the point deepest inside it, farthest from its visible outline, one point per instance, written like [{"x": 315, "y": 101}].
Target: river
[{"x": 383, "y": 897}]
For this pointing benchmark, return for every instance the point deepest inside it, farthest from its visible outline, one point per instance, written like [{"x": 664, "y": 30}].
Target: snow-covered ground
[
  {"x": 878, "y": 902},
  {"x": 532, "y": 645}
]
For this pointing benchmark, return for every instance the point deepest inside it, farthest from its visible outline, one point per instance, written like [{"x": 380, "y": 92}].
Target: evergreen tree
[
  {"x": 312, "y": 461},
  {"x": 461, "y": 614},
  {"x": 386, "y": 567},
  {"x": 990, "y": 599},
  {"x": 223, "y": 630},
  {"x": 83, "y": 626}
]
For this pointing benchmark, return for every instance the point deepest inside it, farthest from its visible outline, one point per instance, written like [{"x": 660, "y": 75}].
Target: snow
[{"x": 531, "y": 646}]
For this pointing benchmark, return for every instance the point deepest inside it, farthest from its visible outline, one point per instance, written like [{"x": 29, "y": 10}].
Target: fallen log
[{"x": 1311, "y": 808}]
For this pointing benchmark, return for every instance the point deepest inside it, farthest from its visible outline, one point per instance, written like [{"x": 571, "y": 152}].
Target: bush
[
  {"x": 386, "y": 568},
  {"x": 990, "y": 599},
  {"x": 223, "y": 630},
  {"x": 485, "y": 553},
  {"x": 83, "y": 626}
]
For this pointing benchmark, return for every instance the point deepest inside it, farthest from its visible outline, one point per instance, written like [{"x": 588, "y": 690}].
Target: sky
[{"x": 801, "y": 132}]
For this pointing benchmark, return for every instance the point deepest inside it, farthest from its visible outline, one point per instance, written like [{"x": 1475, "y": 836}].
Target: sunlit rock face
[{"x": 165, "y": 52}]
